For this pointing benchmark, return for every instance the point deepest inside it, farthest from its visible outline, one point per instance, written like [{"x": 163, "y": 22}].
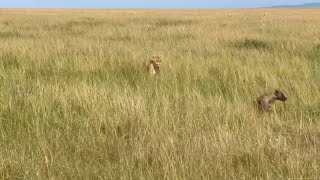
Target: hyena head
[{"x": 279, "y": 95}]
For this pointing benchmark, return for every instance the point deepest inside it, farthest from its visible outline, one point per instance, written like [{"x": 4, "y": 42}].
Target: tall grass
[{"x": 76, "y": 104}]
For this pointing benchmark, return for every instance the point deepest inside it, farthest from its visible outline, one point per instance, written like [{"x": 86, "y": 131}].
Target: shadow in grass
[
  {"x": 252, "y": 44},
  {"x": 306, "y": 138},
  {"x": 181, "y": 36},
  {"x": 175, "y": 38},
  {"x": 217, "y": 82},
  {"x": 312, "y": 110},
  {"x": 122, "y": 74},
  {"x": 174, "y": 22},
  {"x": 69, "y": 76},
  {"x": 314, "y": 54},
  {"x": 125, "y": 38},
  {"x": 128, "y": 73},
  {"x": 19, "y": 116},
  {"x": 249, "y": 162},
  {"x": 11, "y": 169},
  {"x": 73, "y": 108},
  {"x": 261, "y": 81},
  {"x": 9, "y": 34},
  {"x": 199, "y": 53},
  {"x": 245, "y": 162},
  {"x": 84, "y": 22},
  {"x": 6, "y": 23},
  {"x": 71, "y": 26},
  {"x": 9, "y": 60}
]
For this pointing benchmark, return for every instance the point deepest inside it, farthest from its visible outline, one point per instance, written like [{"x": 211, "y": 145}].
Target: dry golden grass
[{"x": 76, "y": 104}]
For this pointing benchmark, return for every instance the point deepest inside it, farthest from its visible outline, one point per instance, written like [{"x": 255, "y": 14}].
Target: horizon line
[{"x": 157, "y": 8}]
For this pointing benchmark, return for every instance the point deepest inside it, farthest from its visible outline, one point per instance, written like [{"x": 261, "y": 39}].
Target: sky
[{"x": 146, "y": 3}]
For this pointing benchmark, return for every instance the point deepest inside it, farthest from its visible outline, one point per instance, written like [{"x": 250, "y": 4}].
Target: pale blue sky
[{"x": 145, "y": 3}]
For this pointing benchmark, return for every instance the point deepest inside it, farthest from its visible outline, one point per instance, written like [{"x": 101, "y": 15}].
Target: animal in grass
[
  {"x": 153, "y": 65},
  {"x": 266, "y": 100}
]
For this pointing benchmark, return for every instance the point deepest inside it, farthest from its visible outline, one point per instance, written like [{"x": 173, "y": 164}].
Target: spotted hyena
[{"x": 266, "y": 100}]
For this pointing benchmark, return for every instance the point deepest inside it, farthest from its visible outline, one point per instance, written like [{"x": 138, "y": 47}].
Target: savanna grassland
[{"x": 75, "y": 102}]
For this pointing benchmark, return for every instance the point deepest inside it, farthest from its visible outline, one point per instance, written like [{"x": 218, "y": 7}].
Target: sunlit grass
[{"x": 76, "y": 103}]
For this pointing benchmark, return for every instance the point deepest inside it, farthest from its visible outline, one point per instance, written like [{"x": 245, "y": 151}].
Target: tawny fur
[
  {"x": 266, "y": 100},
  {"x": 153, "y": 65}
]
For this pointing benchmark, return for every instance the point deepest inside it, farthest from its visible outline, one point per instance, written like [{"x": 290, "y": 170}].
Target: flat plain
[{"x": 75, "y": 102}]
